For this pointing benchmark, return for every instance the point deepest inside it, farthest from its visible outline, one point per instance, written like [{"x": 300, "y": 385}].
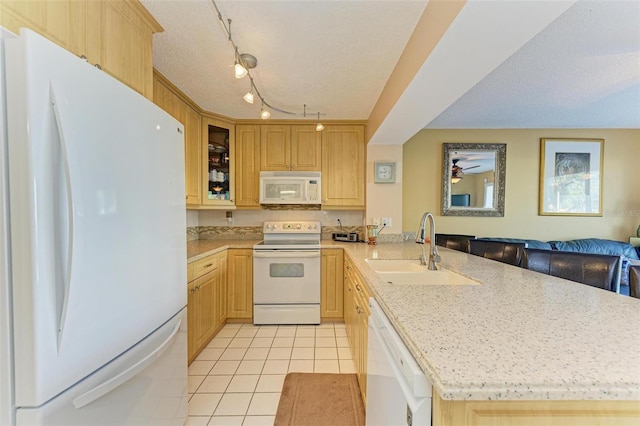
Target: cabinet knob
[
  {"x": 98, "y": 66},
  {"x": 358, "y": 287}
]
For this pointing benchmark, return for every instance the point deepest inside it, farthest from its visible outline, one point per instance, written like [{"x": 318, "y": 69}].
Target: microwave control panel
[{"x": 313, "y": 190}]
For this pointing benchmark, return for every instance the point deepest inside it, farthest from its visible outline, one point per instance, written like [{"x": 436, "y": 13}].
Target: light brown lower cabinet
[
  {"x": 534, "y": 413},
  {"x": 356, "y": 319},
  {"x": 206, "y": 301},
  {"x": 331, "y": 285},
  {"x": 240, "y": 292}
]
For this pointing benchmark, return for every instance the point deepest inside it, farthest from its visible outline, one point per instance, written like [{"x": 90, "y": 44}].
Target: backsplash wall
[
  {"x": 247, "y": 224},
  {"x": 258, "y": 217}
]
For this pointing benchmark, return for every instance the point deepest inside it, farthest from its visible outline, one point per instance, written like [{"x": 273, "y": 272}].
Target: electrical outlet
[
  {"x": 376, "y": 221},
  {"x": 386, "y": 222}
]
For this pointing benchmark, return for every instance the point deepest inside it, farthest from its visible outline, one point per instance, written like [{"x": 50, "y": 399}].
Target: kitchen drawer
[{"x": 203, "y": 266}]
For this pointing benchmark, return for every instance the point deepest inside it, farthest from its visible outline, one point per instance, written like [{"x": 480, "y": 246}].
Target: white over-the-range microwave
[{"x": 290, "y": 187}]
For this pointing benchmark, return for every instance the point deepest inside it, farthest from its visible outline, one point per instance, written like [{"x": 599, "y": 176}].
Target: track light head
[
  {"x": 239, "y": 70},
  {"x": 319, "y": 126}
]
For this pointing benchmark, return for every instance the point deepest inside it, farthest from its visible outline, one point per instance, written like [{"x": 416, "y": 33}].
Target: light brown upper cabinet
[
  {"x": 116, "y": 35},
  {"x": 290, "y": 148},
  {"x": 218, "y": 172},
  {"x": 247, "y": 165},
  {"x": 343, "y": 167},
  {"x": 170, "y": 99}
]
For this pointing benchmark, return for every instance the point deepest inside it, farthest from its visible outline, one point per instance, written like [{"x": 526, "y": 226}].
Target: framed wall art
[{"x": 571, "y": 177}]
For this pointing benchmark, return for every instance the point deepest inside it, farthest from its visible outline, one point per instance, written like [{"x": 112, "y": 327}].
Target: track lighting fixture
[
  {"x": 239, "y": 70},
  {"x": 244, "y": 62},
  {"x": 264, "y": 113},
  {"x": 319, "y": 126},
  {"x": 248, "y": 97}
]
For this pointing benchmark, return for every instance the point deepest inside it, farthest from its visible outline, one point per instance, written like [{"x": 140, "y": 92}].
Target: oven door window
[
  {"x": 286, "y": 278},
  {"x": 286, "y": 270}
]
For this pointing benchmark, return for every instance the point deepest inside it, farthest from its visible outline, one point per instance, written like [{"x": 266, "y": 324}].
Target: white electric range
[{"x": 286, "y": 274}]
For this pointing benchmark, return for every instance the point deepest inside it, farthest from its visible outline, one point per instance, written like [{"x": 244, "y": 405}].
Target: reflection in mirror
[{"x": 473, "y": 179}]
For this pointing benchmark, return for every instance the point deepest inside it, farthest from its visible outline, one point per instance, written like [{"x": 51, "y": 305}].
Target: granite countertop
[
  {"x": 198, "y": 249},
  {"x": 520, "y": 335}
]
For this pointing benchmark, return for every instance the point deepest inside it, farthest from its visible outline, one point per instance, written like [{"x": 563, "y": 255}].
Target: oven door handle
[{"x": 284, "y": 254}]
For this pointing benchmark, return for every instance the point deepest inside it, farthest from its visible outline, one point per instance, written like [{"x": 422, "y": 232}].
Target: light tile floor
[{"x": 238, "y": 378}]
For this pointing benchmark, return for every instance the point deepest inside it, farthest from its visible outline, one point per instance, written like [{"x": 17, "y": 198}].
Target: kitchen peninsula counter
[{"x": 521, "y": 335}]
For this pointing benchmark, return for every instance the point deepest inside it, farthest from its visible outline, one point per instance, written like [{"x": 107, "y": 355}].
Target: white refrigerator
[{"x": 93, "y": 315}]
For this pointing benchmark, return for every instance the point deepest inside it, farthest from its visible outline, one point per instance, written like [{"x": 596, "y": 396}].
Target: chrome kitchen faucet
[{"x": 434, "y": 257}]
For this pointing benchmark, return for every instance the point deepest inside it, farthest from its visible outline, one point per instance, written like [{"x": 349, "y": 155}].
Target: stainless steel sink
[{"x": 411, "y": 272}]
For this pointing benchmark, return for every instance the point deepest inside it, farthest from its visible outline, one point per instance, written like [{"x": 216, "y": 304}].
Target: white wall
[{"x": 385, "y": 199}]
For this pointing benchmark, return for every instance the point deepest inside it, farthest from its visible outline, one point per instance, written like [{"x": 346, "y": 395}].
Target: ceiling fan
[{"x": 457, "y": 171}]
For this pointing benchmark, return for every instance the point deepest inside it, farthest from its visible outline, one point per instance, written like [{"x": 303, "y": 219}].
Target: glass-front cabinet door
[{"x": 218, "y": 137}]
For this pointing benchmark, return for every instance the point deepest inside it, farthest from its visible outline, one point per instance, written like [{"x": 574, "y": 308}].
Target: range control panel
[{"x": 306, "y": 227}]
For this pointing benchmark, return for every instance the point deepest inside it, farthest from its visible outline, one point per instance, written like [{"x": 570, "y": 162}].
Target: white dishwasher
[{"x": 398, "y": 392}]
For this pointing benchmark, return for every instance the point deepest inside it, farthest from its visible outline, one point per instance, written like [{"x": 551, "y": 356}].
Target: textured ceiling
[
  {"x": 582, "y": 71},
  {"x": 333, "y": 56},
  {"x": 501, "y": 64}
]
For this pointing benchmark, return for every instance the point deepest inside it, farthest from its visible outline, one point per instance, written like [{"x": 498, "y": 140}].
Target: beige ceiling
[{"x": 514, "y": 64}]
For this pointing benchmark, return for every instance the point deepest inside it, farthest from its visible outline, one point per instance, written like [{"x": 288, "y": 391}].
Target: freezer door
[
  {"x": 97, "y": 205},
  {"x": 147, "y": 385}
]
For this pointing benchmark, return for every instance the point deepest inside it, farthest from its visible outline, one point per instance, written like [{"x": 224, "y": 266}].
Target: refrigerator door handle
[
  {"x": 116, "y": 381},
  {"x": 58, "y": 113}
]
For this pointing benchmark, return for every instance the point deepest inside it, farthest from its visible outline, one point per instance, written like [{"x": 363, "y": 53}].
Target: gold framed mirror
[{"x": 473, "y": 179}]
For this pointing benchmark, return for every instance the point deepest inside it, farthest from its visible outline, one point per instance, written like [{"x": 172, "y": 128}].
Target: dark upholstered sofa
[{"x": 628, "y": 253}]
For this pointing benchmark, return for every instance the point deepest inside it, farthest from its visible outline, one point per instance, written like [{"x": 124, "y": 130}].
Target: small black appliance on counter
[{"x": 351, "y": 237}]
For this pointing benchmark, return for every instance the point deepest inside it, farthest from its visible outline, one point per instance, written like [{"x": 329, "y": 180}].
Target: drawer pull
[
  {"x": 208, "y": 265},
  {"x": 358, "y": 287}
]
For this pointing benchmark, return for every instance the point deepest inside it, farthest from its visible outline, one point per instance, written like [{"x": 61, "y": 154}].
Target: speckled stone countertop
[
  {"x": 198, "y": 249},
  {"x": 518, "y": 336}
]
